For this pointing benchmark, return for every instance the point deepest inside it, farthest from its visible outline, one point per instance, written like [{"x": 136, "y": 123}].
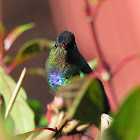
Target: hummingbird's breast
[{"x": 58, "y": 71}]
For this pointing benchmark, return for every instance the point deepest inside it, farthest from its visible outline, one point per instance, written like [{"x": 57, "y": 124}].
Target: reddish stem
[
  {"x": 42, "y": 128},
  {"x": 100, "y": 56},
  {"x": 93, "y": 30},
  {"x": 122, "y": 63},
  {"x": 111, "y": 95},
  {"x": 2, "y": 37},
  {"x": 11, "y": 67}
]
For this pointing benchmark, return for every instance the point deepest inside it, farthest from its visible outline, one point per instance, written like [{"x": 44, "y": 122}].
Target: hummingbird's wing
[{"x": 86, "y": 69}]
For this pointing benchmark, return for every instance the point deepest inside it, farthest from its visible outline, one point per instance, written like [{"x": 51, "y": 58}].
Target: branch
[
  {"x": 59, "y": 128},
  {"x": 123, "y": 62},
  {"x": 104, "y": 65},
  {"x": 92, "y": 24}
]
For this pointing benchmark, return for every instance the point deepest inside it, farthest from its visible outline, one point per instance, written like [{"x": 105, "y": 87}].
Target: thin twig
[
  {"x": 123, "y": 62},
  {"x": 38, "y": 129},
  {"x": 92, "y": 24},
  {"x": 12, "y": 101},
  {"x": 100, "y": 56},
  {"x": 59, "y": 128}
]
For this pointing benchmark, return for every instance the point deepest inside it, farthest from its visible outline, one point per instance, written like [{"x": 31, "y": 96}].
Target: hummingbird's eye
[{"x": 56, "y": 46}]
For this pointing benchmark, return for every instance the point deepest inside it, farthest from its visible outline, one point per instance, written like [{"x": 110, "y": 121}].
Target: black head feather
[{"x": 67, "y": 38}]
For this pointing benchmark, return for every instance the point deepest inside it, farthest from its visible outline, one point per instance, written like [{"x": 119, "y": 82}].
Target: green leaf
[
  {"x": 21, "y": 114},
  {"x": 84, "y": 99},
  {"x": 32, "y": 48},
  {"x": 2, "y": 107},
  {"x": 7, "y": 59},
  {"x": 4, "y": 135},
  {"x": 15, "y": 33},
  {"x": 93, "y": 63},
  {"x": 37, "y": 71},
  {"x": 43, "y": 121},
  {"x": 36, "y": 107},
  {"x": 126, "y": 125}
]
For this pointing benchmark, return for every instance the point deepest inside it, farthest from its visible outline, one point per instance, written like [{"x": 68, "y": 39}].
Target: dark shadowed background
[{"x": 16, "y": 13}]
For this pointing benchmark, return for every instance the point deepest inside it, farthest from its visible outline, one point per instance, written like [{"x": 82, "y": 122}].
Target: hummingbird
[{"x": 65, "y": 61}]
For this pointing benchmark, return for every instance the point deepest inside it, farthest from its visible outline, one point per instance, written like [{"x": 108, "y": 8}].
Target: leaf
[
  {"x": 15, "y": 33},
  {"x": 32, "y": 48},
  {"x": 36, "y": 107},
  {"x": 37, "y": 71},
  {"x": 93, "y": 63},
  {"x": 7, "y": 59},
  {"x": 126, "y": 125},
  {"x": 43, "y": 121},
  {"x": 21, "y": 114},
  {"x": 86, "y": 99},
  {"x": 4, "y": 135}
]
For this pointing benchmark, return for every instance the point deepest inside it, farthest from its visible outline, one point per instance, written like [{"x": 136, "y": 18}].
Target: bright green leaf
[
  {"x": 84, "y": 98},
  {"x": 43, "y": 121},
  {"x": 126, "y": 125},
  {"x": 32, "y": 48},
  {"x": 21, "y": 114},
  {"x": 36, "y": 107},
  {"x": 15, "y": 33}
]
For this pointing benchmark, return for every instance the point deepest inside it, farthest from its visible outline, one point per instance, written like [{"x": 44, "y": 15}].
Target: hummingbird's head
[{"x": 65, "y": 40}]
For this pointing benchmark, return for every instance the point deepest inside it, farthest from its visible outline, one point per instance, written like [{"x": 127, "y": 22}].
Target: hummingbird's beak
[{"x": 64, "y": 46}]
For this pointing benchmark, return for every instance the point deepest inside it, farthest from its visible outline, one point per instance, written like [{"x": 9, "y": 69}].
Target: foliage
[
  {"x": 126, "y": 125},
  {"x": 21, "y": 114},
  {"x": 22, "y": 118},
  {"x": 81, "y": 98},
  {"x": 87, "y": 94}
]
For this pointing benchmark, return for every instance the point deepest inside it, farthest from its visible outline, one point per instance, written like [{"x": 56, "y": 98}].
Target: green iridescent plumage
[{"x": 64, "y": 61}]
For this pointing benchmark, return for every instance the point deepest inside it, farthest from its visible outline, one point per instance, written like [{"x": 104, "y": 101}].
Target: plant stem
[
  {"x": 93, "y": 30},
  {"x": 12, "y": 101},
  {"x": 38, "y": 129},
  {"x": 111, "y": 95},
  {"x": 11, "y": 67},
  {"x": 123, "y": 62},
  {"x": 59, "y": 128},
  {"x": 100, "y": 56}
]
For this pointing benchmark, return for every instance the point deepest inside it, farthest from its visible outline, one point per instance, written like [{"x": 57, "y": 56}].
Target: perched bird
[{"x": 65, "y": 61}]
